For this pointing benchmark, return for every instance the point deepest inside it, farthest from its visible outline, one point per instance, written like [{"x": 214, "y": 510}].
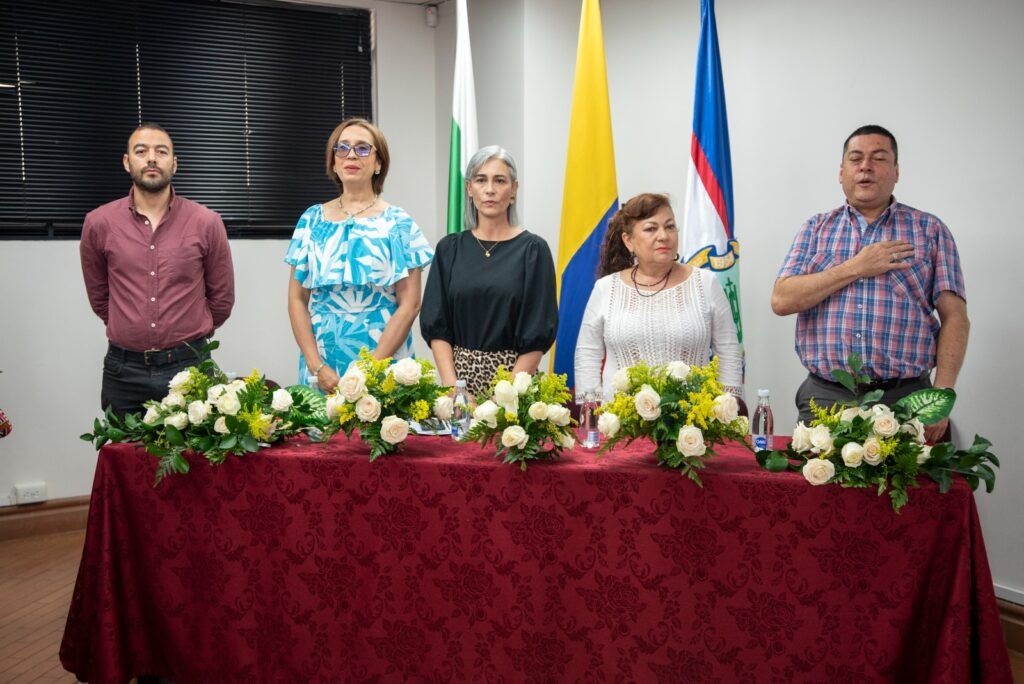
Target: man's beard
[{"x": 151, "y": 184}]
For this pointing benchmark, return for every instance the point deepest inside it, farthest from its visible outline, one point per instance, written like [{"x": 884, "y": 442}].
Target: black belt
[
  {"x": 884, "y": 385},
  {"x": 161, "y": 357}
]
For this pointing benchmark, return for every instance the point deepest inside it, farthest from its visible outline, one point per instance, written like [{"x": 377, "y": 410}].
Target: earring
[
  {"x": 677, "y": 256},
  {"x": 632, "y": 256},
  {"x": 377, "y": 172}
]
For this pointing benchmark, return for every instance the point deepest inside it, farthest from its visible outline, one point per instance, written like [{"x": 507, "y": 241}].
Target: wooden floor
[{"x": 36, "y": 579}]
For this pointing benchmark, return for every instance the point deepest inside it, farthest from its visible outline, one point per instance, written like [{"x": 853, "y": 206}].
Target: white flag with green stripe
[{"x": 464, "y": 140}]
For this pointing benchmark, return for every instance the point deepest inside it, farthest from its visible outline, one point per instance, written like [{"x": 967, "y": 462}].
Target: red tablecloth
[{"x": 307, "y": 563}]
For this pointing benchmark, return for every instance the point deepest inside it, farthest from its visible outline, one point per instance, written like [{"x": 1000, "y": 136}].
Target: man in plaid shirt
[{"x": 869, "y": 277}]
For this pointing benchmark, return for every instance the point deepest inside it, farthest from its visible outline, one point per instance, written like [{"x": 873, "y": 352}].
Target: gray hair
[{"x": 481, "y": 157}]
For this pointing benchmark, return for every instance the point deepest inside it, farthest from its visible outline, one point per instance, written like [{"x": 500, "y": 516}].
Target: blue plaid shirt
[{"x": 889, "y": 320}]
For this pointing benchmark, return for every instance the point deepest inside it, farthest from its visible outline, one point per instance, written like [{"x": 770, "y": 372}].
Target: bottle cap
[
  {"x": 461, "y": 384},
  {"x": 763, "y": 393}
]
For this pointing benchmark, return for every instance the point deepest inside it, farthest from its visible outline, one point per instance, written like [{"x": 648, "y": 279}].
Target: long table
[{"x": 308, "y": 563}]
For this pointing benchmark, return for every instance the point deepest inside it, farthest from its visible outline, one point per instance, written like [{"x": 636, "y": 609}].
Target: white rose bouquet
[
  {"x": 206, "y": 413},
  {"x": 379, "y": 398},
  {"x": 881, "y": 447},
  {"x": 683, "y": 409},
  {"x": 526, "y": 417}
]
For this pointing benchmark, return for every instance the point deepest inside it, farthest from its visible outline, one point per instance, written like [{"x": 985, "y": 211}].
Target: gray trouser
[
  {"x": 128, "y": 381},
  {"x": 826, "y": 393}
]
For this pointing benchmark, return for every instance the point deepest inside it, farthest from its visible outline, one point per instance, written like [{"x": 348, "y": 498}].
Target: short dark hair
[
  {"x": 874, "y": 129},
  {"x": 151, "y": 126}
]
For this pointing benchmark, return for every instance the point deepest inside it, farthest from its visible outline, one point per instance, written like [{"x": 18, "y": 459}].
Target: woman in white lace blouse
[{"x": 649, "y": 307}]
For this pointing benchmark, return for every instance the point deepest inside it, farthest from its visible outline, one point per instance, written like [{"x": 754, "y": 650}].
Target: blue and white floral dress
[{"x": 350, "y": 269}]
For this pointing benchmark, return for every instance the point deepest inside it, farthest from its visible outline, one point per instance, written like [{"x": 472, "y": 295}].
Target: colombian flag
[{"x": 590, "y": 197}]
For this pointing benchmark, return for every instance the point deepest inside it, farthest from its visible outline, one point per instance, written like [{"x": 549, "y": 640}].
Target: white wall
[
  {"x": 799, "y": 76},
  {"x": 52, "y": 346}
]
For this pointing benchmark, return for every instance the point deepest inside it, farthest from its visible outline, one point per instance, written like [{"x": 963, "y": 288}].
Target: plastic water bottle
[
  {"x": 460, "y": 411},
  {"x": 763, "y": 425},
  {"x": 588, "y": 420}
]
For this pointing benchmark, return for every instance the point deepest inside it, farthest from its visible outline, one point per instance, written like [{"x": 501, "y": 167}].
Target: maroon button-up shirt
[{"x": 157, "y": 289}]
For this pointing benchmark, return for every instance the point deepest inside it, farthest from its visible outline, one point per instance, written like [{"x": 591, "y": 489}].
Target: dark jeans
[
  {"x": 826, "y": 394},
  {"x": 128, "y": 381}
]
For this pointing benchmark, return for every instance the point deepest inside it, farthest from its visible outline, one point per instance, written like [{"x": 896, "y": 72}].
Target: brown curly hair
[{"x": 615, "y": 256}]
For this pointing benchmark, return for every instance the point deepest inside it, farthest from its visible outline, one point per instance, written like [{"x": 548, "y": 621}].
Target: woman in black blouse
[{"x": 490, "y": 297}]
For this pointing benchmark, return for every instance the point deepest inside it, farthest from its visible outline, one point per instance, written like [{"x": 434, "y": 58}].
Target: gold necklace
[
  {"x": 353, "y": 214},
  {"x": 487, "y": 250}
]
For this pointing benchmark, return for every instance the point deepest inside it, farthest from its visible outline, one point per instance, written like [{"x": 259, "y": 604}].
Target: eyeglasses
[{"x": 361, "y": 149}]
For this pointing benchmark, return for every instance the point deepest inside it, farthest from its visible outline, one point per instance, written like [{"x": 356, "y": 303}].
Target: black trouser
[
  {"x": 826, "y": 393},
  {"x": 131, "y": 378}
]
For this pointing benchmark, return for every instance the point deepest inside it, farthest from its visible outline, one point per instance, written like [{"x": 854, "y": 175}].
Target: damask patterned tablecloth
[{"x": 308, "y": 563}]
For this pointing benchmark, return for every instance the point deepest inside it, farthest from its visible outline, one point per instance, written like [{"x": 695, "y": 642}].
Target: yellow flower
[
  {"x": 260, "y": 425},
  {"x": 826, "y": 416},
  {"x": 253, "y": 381},
  {"x": 552, "y": 388},
  {"x": 511, "y": 417},
  {"x": 420, "y": 410},
  {"x": 702, "y": 408},
  {"x": 389, "y": 384},
  {"x": 373, "y": 369},
  {"x": 346, "y": 412},
  {"x": 888, "y": 446}
]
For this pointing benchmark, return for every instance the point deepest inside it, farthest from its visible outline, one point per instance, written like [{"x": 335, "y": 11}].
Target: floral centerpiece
[
  {"x": 380, "y": 397},
  {"x": 866, "y": 444},
  {"x": 525, "y": 417},
  {"x": 683, "y": 409},
  {"x": 206, "y": 412}
]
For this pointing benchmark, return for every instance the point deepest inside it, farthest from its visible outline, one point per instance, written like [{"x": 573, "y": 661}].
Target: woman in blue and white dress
[{"x": 356, "y": 262}]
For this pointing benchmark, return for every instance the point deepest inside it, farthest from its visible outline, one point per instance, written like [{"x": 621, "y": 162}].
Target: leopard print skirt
[{"x": 477, "y": 367}]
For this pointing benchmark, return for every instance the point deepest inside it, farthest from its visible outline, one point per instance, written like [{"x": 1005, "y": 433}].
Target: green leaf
[
  {"x": 929, "y": 405},
  {"x": 250, "y": 444},
  {"x": 944, "y": 480},
  {"x": 980, "y": 445},
  {"x": 86, "y": 437},
  {"x": 845, "y": 379},
  {"x": 988, "y": 475},
  {"x": 855, "y": 363},
  {"x": 872, "y": 397},
  {"x": 776, "y": 462},
  {"x": 228, "y": 443},
  {"x": 899, "y": 498},
  {"x": 968, "y": 461},
  {"x": 180, "y": 464},
  {"x": 942, "y": 452},
  {"x": 174, "y": 436}
]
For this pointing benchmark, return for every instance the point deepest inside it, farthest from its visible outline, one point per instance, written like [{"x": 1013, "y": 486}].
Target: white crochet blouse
[{"x": 688, "y": 322}]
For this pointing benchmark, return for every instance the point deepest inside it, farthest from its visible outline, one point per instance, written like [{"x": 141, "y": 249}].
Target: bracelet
[{"x": 317, "y": 371}]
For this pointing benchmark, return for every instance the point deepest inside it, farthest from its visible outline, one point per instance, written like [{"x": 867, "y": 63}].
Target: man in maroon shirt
[{"x": 158, "y": 272}]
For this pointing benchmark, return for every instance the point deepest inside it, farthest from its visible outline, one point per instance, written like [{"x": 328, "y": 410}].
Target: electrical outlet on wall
[{"x": 30, "y": 492}]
